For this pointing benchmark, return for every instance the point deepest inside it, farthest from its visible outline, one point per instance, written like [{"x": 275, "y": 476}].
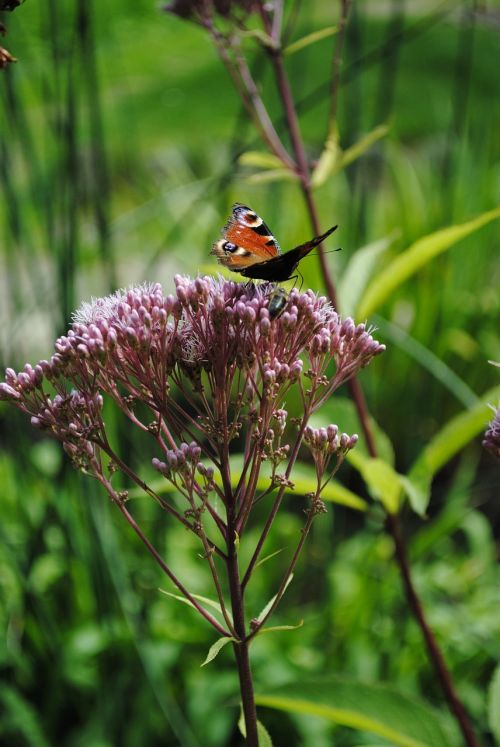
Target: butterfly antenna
[{"x": 329, "y": 251}]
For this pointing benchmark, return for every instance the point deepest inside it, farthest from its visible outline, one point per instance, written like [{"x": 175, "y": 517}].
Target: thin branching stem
[{"x": 156, "y": 555}]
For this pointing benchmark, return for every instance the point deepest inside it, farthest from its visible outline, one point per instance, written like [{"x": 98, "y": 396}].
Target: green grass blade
[
  {"x": 428, "y": 360},
  {"x": 494, "y": 704},
  {"x": 449, "y": 441},
  {"x": 359, "y": 270},
  {"x": 416, "y": 257},
  {"x": 374, "y": 708},
  {"x": 312, "y": 38}
]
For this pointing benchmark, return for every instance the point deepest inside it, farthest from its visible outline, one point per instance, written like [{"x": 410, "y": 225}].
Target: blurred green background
[{"x": 120, "y": 135}]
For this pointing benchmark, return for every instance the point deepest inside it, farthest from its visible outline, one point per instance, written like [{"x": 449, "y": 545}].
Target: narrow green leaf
[
  {"x": 377, "y": 709},
  {"x": 178, "y": 597},
  {"x": 416, "y": 257},
  {"x": 263, "y": 734},
  {"x": 273, "y": 175},
  {"x": 331, "y": 155},
  {"x": 268, "y": 557},
  {"x": 494, "y": 704},
  {"x": 363, "y": 144},
  {"x": 19, "y": 716},
  {"x": 261, "y": 36},
  {"x": 275, "y": 628},
  {"x": 446, "y": 443},
  {"x": 268, "y": 606},
  {"x": 428, "y": 360},
  {"x": 216, "y": 647},
  {"x": 335, "y": 492},
  {"x": 312, "y": 38},
  {"x": 205, "y": 600},
  {"x": 418, "y": 494},
  {"x": 359, "y": 270},
  {"x": 333, "y": 159},
  {"x": 260, "y": 159},
  {"x": 381, "y": 479}
]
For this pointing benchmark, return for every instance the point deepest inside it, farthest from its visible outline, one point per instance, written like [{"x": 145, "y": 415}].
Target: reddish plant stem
[
  {"x": 303, "y": 172},
  {"x": 363, "y": 415},
  {"x": 156, "y": 555},
  {"x": 435, "y": 654},
  {"x": 302, "y": 169},
  {"x": 241, "y": 646},
  {"x": 286, "y": 577}
]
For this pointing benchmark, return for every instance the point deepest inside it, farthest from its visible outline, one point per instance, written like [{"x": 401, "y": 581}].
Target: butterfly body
[{"x": 249, "y": 247}]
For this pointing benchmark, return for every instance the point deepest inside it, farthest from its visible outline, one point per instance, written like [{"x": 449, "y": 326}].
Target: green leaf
[
  {"x": 205, "y": 600},
  {"x": 335, "y": 492},
  {"x": 416, "y": 257},
  {"x": 381, "y": 479},
  {"x": 377, "y": 709},
  {"x": 273, "y": 175},
  {"x": 446, "y": 443},
  {"x": 428, "y": 360},
  {"x": 330, "y": 157},
  {"x": 275, "y": 628},
  {"x": 268, "y": 557},
  {"x": 262, "y": 733},
  {"x": 304, "y": 479},
  {"x": 363, "y": 144},
  {"x": 494, "y": 704},
  {"x": 260, "y": 159},
  {"x": 312, "y": 38},
  {"x": 19, "y": 716},
  {"x": 268, "y": 606},
  {"x": 359, "y": 270},
  {"x": 261, "y": 36},
  {"x": 333, "y": 159},
  {"x": 216, "y": 647}
]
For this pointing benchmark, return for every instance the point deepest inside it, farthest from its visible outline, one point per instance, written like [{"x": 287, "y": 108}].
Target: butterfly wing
[
  {"x": 278, "y": 269},
  {"x": 247, "y": 240}
]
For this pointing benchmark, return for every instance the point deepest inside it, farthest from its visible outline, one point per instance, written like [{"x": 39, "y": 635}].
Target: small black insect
[{"x": 278, "y": 299}]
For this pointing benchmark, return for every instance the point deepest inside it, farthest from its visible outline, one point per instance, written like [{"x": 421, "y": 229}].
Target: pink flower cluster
[
  {"x": 193, "y": 372},
  {"x": 214, "y": 336}
]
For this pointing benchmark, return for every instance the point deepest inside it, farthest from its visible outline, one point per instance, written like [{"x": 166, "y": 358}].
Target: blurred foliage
[{"x": 120, "y": 136}]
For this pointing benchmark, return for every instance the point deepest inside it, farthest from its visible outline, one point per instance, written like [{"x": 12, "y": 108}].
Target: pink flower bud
[
  {"x": 332, "y": 431},
  {"x": 7, "y": 392},
  {"x": 265, "y": 326}
]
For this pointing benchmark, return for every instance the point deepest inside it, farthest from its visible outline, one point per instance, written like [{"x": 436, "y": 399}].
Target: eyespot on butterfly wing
[{"x": 249, "y": 247}]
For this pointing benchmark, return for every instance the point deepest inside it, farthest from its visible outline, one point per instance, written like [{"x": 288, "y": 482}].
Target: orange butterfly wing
[{"x": 247, "y": 240}]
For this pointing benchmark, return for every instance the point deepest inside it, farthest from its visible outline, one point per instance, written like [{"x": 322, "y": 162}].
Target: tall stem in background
[{"x": 392, "y": 523}]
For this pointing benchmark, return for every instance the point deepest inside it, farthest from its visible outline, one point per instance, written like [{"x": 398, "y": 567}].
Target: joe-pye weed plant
[
  {"x": 54, "y": 396},
  {"x": 196, "y": 372}
]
